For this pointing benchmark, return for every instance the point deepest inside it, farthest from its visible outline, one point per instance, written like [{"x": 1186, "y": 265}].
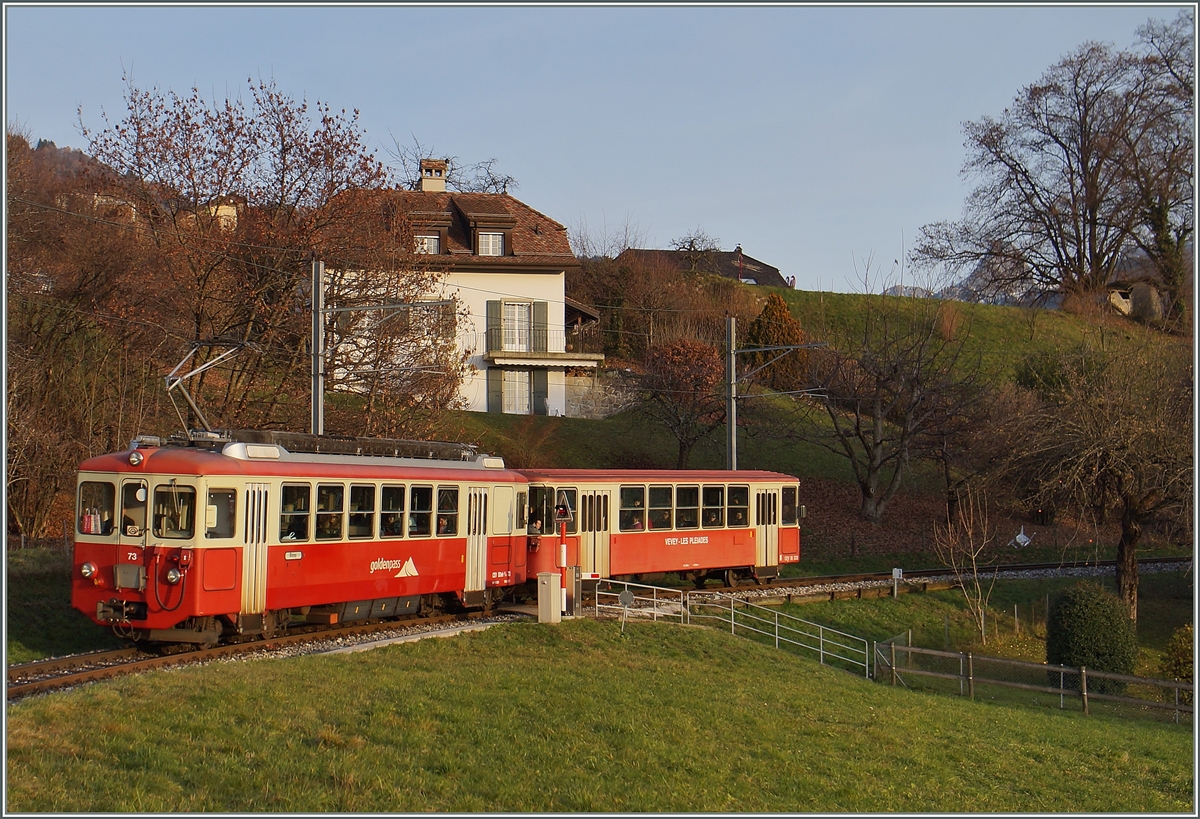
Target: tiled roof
[
  {"x": 732, "y": 264},
  {"x": 536, "y": 239}
]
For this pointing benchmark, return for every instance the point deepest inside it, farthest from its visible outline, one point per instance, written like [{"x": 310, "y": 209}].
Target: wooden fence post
[
  {"x": 1083, "y": 688},
  {"x": 971, "y": 675}
]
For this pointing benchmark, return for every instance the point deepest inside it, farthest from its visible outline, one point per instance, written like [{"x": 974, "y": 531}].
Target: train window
[
  {"x": 293, "y": 516},
  {"x": 174, "y": 511},
  {"x": 660, "y": 508},
  {"x": 739, "y": 506},
  {"x": 219, "y": 515},
  {"x": 97, "y": 500},
  {"x": 522, "y": 517},
  {"x": 714, "y": 506},
  {"x": 447, "y": 522},
  {"x": 133, "y": 508},
  {"x": 330, "y": 497},
  {"x": 573, "y": 502},
  {"x": 633, "y": 502},
  {"x": 362, "y": 511},
  {"x": 687, "y": 507},
  {"x": 789, "y": 506},
  {"x": 420, "y": 511},
  {"x": 541, "y": 509},
  {"x": 391, "y": 512}
]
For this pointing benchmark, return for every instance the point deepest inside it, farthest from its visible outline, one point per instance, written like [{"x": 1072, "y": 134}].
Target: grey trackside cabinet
[{"x": 549, "y": 597}]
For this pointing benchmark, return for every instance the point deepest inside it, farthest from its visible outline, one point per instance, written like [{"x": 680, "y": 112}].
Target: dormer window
[
  {"x": 428, "y": 245},
  {"x": 491, "y": 244}
]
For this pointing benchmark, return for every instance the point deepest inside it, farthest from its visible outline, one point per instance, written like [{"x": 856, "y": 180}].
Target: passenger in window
[
  {"x": 636, "y": 523},
  {"x": 389, "y": 525},
  {"x": 443, "y": 526},
  {"x": 297, "y": 528},
  {"x": 739, "y": 518},
  {"x": 712, "y": 518}
]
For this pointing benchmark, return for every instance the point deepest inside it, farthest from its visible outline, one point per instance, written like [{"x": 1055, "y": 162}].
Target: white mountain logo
[{"x": 407, "y": 568}]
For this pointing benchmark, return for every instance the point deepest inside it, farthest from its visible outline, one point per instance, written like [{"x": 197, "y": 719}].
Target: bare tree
[
  {"x": 891, "y": 390},
  {"x": 1111, "y": 430},
  {"x": 697, "y": 249},
  {"x": 1158, "y": 156},
  {"x": 479, "y": 177},
  {"x": 682, "y": 392},
  {"x": 1088, "y": 162},
  {"x": 960, "y": 546}
]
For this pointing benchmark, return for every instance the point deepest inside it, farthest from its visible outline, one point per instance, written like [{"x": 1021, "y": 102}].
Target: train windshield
[{"x": 174, "y": 511}]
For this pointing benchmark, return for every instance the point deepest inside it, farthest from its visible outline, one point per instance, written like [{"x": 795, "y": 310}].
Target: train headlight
[
  {"x": 135, "y": 458},
  {"x": 174, "y": 575},
  {"x": 87, "y": 569}
]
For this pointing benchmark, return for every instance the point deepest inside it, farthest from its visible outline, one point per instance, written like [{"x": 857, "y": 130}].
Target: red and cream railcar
[
  {"x": 193, "y": 543},
  {"x": 641, "y": 524}
]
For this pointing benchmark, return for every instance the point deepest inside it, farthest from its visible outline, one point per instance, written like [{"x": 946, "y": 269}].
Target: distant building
[{"x": 732, "y": 264}]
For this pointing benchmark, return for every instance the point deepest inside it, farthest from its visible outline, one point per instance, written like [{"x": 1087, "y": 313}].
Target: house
[
  {"x": 1136, "y": 287},
  {"x": 506, "y": 264},
  {"x": 732, "y": 264}
]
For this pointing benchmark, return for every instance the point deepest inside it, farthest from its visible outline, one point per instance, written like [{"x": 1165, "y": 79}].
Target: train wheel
[{"x": 731, "y": 578}]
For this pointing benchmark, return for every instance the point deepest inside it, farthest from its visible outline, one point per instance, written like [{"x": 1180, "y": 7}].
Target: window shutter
[
  {"x": 541, "y": 327},
  {"x": 541, "y": 392},
  {"x": 495, "y": 340},
  {"x": 495, "y": 389}
]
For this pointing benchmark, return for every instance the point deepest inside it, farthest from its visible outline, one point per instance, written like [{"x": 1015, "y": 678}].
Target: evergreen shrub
[
  {"x": 1089, "y": 627},
  {"x": 1177, "y": 659}
]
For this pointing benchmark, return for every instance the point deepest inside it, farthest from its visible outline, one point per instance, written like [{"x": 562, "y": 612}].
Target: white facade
[{"x": 528, "y": 355}]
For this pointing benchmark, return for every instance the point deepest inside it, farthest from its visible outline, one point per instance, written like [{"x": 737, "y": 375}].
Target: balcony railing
[{"x": 587, "y": 340}]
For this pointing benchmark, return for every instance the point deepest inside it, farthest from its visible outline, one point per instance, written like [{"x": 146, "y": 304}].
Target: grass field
[{"x": 576, "y": 717}]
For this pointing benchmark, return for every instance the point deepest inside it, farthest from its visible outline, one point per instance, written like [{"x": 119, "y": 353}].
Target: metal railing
[
  {"x": 765, "y": 625},
  {"x": 770, "y": 626},
  {"x": 535, "y": 340},
  {"x": 646, "y": 601},
  {"x": 1021, "y": 682}
]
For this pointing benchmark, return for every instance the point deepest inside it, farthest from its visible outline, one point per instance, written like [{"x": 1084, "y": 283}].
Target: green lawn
[{"x": 575, "y": 717}]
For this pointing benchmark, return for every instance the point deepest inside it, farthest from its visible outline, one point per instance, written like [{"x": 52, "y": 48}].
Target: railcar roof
[
  {"x": 234, "y": 460},
  {"x": 647, "y": 475}
]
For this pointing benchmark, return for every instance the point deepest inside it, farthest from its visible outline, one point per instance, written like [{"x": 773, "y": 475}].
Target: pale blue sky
[{"x": 815, "y": 136}]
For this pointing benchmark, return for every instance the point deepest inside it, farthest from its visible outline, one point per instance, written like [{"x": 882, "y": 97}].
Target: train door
[
  {"x": 593, "y": 532},
  {"x": 129, "y": 570},
  {"x": 766, "y": 523},
  {"x": 254, "y": 554},
  {"x": 477, "y": 511},
  {"x": 133, "y": 513}
]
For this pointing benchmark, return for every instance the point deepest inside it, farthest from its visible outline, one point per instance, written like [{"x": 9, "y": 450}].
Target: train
[{"x": 207, "y": 537}]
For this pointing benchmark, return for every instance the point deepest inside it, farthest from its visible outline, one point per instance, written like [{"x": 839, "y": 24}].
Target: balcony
[{"x": 536, "y": 346}]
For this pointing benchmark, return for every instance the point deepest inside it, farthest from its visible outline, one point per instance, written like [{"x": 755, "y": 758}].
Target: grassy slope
[{"x": 571, "y": 718}]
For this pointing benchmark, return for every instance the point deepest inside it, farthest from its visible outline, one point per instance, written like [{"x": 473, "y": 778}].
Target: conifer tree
[{"x": 777, "y": 327}]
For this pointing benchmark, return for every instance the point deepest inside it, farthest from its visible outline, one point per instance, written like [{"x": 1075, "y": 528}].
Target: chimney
[{"x": 433, "y": 175}]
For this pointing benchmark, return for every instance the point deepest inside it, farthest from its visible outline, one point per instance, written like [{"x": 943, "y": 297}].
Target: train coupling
[{"x": 120, "y": 611}]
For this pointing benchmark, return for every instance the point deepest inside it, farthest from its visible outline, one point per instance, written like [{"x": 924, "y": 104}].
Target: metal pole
[
  {"x": 731, "y": 394},
  {"x": 318, "y": 347}
]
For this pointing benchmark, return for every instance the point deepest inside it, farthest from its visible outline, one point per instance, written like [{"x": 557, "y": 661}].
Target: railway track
[
  {"x": 917, "y": 574},
  {"x": 63, "y": 672}
]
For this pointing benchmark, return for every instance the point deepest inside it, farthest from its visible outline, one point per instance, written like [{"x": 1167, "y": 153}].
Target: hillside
[{"x": 1001, "y": 337}]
